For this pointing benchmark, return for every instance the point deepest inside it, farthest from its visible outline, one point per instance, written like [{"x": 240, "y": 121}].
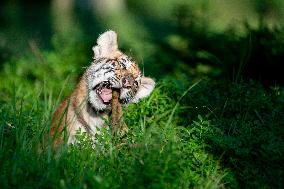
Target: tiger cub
[{"x": 87, "y": 108}]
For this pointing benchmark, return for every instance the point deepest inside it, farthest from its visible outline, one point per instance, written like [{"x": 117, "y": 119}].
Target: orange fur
[{"x": 87, "y": 108}]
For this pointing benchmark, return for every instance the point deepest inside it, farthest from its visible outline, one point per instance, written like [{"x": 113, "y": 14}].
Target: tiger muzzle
[{"x": 127, "y": 81}]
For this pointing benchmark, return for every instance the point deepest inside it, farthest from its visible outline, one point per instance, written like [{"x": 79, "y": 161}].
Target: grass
[
  {"x": 153, "y": 156},
  {"x": 190, "y": 133},
  {"x": 179, "y": 137}
]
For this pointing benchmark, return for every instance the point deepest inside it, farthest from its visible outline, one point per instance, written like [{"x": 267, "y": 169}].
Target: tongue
[{"x": 106, "y": 94}]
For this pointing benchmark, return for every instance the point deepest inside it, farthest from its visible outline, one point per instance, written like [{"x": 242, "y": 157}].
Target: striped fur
[{"x": 87, "y": 108}]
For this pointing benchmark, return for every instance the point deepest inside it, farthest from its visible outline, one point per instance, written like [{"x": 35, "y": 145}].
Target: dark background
[{"x": 220, "y": 39}]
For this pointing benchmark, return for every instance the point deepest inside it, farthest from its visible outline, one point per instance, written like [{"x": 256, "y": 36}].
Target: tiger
[{"x": 88, "y": 107}]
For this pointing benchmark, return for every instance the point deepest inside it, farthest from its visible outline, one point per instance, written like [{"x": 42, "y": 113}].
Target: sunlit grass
[
  {"x": 154, "y": 155},
  {"x": 178, "y": 139}
]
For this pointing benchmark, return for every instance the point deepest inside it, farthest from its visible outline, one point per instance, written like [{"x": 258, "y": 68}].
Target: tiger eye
[{"x": 136, "y": 83}]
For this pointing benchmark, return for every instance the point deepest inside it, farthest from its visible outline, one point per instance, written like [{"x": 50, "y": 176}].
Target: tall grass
[
  {"x": 202, "y": 140},
  {"x": 153, "y": 156},
  {"x": 187, "y": 134}
]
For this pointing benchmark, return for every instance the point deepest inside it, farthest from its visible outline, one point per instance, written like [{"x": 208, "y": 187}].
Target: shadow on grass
[{"x": 245, "y": 129}]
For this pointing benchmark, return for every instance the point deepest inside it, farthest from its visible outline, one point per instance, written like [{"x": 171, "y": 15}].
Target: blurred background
[
  {"x": 220, "y": 39},
  {"x": 235, "y": 47}
]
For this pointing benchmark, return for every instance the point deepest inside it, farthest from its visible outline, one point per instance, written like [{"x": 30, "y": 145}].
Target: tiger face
[{"x": 111, "y": 69}]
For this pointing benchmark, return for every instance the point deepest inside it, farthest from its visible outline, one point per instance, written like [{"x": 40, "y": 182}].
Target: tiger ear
[
  {"x": 106, "y": 45},
  {"x": 145, "y": 89}
]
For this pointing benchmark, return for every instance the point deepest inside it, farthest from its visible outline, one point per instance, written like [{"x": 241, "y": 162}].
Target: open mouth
[{"x": 104, "y": 91}]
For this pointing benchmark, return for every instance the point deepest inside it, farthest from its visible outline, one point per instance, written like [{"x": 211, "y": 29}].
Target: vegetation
[{"x": 214, "y": 120}]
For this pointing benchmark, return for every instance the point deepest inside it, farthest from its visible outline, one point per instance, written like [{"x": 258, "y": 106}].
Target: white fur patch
[
  {"x": 106, "y": 45},
  {"x": 146, "y": 87},
  {"x": 125, "y": 61},
  {"x": 96, "y": 74}
]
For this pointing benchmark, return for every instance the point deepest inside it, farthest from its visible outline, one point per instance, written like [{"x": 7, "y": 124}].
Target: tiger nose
[{"x": 127, "y": 81}]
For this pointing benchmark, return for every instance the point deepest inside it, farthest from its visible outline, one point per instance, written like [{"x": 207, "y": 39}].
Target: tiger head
[{"x": 111, "y": 69}]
